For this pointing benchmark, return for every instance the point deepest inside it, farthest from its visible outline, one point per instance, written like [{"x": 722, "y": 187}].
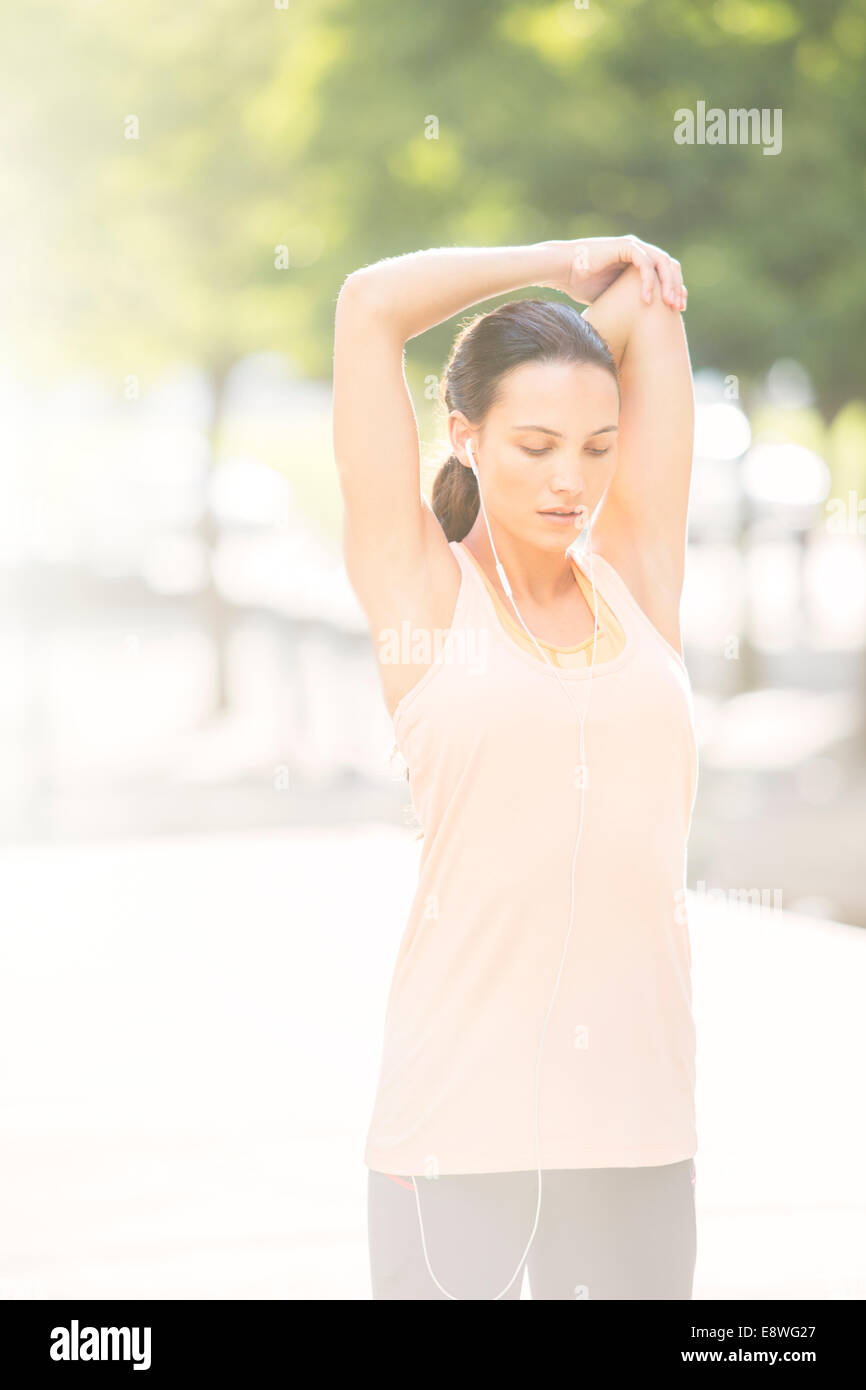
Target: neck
[{"x": 536, "y": 574}]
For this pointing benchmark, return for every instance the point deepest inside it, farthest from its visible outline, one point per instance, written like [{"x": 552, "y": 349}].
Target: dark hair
[{"x": 484, "y": 351}]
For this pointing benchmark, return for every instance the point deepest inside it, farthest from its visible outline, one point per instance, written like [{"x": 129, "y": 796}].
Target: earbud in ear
[{"x": 471, "y": 457}]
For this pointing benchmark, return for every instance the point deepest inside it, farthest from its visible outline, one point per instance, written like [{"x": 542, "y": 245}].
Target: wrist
[{"x": 557, "y": 257}]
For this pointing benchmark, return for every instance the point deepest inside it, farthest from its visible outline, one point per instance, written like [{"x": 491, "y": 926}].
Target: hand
[{"x": 590, "y": 265}]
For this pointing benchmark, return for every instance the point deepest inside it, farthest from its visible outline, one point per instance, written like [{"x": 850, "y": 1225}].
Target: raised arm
[
  {"x": 646, "y": 507},
  {"x": 392, "y": 543},
  {"x": 391, "y": 538}
]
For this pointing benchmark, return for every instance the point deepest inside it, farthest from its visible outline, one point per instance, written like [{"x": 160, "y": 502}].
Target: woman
[{"x": 521, "y": 1056}]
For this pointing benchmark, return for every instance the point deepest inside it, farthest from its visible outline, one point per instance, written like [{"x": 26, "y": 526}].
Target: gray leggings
[{"x": 603, "y": 1233}]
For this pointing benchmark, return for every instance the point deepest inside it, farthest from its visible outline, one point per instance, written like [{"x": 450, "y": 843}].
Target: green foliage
[
  {"x": 308, "y": 127},
  {"x": 556, "y": 121}
]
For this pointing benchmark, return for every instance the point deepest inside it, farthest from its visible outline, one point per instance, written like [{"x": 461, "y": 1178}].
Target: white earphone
[{"x": 582, "y": 764}]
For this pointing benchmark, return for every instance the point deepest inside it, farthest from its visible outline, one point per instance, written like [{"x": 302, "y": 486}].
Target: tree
[
  {"x": 555, "y": 121},
  {"x": 157, "y": 202}
]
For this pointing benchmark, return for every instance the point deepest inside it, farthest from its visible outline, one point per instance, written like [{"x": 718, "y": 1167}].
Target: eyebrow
[{"x": 544, "y": 429}]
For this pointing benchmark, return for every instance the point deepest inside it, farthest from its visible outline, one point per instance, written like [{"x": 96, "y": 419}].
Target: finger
[
  {"x": 681, "y": 289},
  {"x": 633, "y": 251},
  {"x": 668, "y": 273}
]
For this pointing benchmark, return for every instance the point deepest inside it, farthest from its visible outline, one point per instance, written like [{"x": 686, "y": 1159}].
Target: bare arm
[
  {"x": 423, "y": 288},
  {"x": 646, "y": 507},
  {"x": 390, "y": 535},
  {"x": 391, "y": 538}
]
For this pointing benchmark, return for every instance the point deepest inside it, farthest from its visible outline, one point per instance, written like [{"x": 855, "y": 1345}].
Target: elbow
[
  {"x": 631, "y": 287},
  {"x": 656, "y": 323},
  {"x": 361, "y": 294}
]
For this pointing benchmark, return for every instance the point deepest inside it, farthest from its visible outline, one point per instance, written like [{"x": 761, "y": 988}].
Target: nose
[{"x": 568, "y": 484}]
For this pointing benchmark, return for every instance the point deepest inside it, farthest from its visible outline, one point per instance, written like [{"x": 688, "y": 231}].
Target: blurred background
[{"x": 207, "y": 846}]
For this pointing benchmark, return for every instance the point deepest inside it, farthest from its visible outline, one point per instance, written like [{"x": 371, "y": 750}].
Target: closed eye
[{"x": 537, "y": 453}]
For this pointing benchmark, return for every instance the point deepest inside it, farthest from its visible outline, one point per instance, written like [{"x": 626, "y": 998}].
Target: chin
[{"x": 556, "y": 535}]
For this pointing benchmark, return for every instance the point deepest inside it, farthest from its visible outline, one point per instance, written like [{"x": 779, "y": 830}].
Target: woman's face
[{"x": 548, "y": 444}]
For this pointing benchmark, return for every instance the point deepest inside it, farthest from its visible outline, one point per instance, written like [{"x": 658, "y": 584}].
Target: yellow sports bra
[{"x": 609, "y": 643}]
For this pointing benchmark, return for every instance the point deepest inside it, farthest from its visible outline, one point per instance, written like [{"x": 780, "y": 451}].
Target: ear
[{"x": 459, "y": 430}]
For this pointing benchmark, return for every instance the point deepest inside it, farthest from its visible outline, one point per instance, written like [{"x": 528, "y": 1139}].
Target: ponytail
[{"x": 455, "y": 499}]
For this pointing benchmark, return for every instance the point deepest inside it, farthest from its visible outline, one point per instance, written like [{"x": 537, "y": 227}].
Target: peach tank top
[{"x": 492, "y": 745}]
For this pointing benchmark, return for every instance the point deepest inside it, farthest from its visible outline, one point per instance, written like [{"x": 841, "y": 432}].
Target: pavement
[{"x": 189, "y": 1042}]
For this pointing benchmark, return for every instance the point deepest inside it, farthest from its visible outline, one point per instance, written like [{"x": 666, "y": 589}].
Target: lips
[{"x": 578, "y": 516}]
